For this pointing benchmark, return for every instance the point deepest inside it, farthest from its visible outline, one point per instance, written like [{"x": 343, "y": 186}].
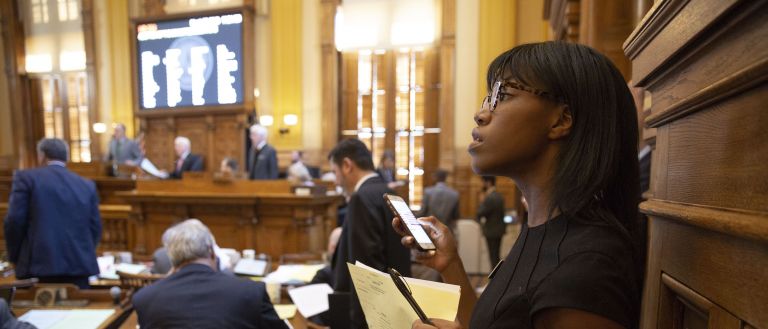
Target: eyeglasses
[{"x": 490, "y": 101}]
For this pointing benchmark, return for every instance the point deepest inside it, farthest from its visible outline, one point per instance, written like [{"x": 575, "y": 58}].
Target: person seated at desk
[
  {"x": 196, "y": 295},
  {"x": 186, "y": 161},
  {"x": 8, "y": 321},
  {"x": 122, "y": 150},
  {"x": 298, "y": 173},
  {"x": 228, "y": 166}
]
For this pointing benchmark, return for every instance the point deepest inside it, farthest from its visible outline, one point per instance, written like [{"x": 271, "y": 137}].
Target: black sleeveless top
[{"x": 562, "y": 264}]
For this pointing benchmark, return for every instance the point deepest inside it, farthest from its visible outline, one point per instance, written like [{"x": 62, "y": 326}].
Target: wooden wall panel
[
  {"x": 196, "y": 129},
  {"x": 704, "y": 65},
  {"x": 228, "y": 129},
  {"x": 159, "y": 149},
  {"x": 713, "y": 155}
]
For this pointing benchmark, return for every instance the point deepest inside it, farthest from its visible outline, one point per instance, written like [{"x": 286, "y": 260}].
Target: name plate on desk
[{"x": 299, "y": 190}]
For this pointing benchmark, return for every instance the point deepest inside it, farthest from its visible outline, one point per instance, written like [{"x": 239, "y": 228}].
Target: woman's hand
[
  {"x": 441, "y": 236},
  {"x": 439, "y": 323}
]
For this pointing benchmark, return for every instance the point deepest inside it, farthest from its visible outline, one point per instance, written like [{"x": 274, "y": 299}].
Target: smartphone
[{"x": 401, "y": 209}]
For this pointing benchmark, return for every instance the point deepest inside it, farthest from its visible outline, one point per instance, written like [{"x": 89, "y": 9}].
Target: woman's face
[{"x": 510, "y": 140}]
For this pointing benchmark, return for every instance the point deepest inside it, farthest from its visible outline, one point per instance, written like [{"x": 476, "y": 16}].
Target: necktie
[{"x": 179, "y": 163}]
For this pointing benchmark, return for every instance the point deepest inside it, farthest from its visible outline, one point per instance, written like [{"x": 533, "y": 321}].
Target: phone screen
[{"x": 410, "y": 221}]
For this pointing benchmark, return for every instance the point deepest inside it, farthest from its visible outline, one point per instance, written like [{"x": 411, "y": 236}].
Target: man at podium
[{"x": 122, "y": 150}]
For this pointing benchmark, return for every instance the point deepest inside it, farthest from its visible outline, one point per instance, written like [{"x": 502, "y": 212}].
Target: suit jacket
[
  {"x": 367, "y": 236},
  {"x": 126, "y": 150},
  {"x": 192, "y": 162},
  {"x": 198, "y": 297},
  {"x": 265, "y": 165},
  {"x": 53, "y": 223},
  {"x": 442, "y": 202},
  {"x": 388, "y": 175},
  {"x": 492, "y": 208}
]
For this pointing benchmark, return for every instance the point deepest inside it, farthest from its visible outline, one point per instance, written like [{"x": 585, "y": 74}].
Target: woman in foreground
[{"x": 560, "y": 121}]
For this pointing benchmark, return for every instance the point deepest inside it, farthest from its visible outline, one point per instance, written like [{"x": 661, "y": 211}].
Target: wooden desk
[
  {"x": 106, "y": 186},
  {"x": 260, "y": 215},
  {"x": 117, "y": 231},
  {"x": 98, "y": 299}
]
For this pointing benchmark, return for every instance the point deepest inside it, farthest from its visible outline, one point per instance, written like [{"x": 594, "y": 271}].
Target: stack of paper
[
  {"x": 66, "y": 319},
  {"x": 287, "y": 274},
  {"x": 385, "y": 307},
  {"x": 311, "y": 299},
  {"x": 285, "y": 311}
]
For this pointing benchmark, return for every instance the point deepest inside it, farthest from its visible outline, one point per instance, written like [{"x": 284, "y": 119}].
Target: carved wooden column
[
  {"x": 564, "y": 18},
  {"x": 330, "y": 74},
  {"x": 604, "y": 25},
  {"x": 447, "y": 53},
  {"x": 24, "y": 154},
  {"x": 91, "y": 64},
  {"x": 705, "y": 65}
]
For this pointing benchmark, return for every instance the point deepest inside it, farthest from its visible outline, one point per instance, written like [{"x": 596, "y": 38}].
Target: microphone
[{"x": 115, "y": 293}]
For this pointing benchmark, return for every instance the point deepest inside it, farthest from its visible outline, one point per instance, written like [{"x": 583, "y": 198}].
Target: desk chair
[{"x": 7, "y": 290}]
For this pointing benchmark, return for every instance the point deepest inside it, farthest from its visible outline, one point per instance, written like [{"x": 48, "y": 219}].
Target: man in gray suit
[
  {"x": 262, "y": 157},
  {"x": 123, "y": 150},
  {"x": 441, "y": 201}
]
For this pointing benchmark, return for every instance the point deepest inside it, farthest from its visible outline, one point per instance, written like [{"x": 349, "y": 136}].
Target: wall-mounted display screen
[{"x": 194, "y": 61}]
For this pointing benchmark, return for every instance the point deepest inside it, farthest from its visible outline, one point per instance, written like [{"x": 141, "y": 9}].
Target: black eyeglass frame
[{"x": 491, "y": 100}]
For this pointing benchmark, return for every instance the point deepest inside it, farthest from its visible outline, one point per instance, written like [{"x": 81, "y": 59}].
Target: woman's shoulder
[{"x": 595, "y": 237}]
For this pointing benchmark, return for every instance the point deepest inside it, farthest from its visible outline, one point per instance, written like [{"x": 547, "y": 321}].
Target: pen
[{"x": 406, "y": 292}]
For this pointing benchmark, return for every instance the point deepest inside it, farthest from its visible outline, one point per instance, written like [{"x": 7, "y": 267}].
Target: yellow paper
[
  {"x": 285, "y": 311},
  {"x": 385, "y": 307}
]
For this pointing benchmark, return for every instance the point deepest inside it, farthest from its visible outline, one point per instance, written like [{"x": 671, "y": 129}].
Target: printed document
[{"x": 385, "y": 307}]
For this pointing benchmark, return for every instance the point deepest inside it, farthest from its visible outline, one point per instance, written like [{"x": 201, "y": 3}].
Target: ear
[
  {"x": 562, "y": 126},
  {"x": 346, "y": 165}
]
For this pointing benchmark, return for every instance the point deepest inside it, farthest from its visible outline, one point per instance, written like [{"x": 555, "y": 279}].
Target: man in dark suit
[
  {"x": 53, "y": 223},
  {"x": 262, "y": 157},
  {"x": 186, "y": 161},
  {"x": 196, "y": 295},
  {"x": 491, "y": 210},
  {"x": 367, "y": 235},
  {"x": 441, "y": 201}
]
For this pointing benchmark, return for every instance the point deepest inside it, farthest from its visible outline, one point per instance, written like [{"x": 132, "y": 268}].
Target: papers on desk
[
  {"x": 311, "y": 299},
  {"x": 285, "y": 311},
  {"x": 150, "y": 168},
  {"x": 385, "y": 307},
  {"x": 287, "y": 274},
  {"x": 108, "y": 269},
  {"x": 252, "y": 267},
  {"x": 67, "y": 319}
]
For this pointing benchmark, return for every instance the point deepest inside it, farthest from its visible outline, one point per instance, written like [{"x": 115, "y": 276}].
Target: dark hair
[
  {"x": 440, "y": 175},
  {"x": 53, "y": 149},
  {"x": 596, "y": 174},
  {"x": 489, "y": 179},
  {"x": 354, "y": 150},
  {"x": 231, "y": 163}
]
